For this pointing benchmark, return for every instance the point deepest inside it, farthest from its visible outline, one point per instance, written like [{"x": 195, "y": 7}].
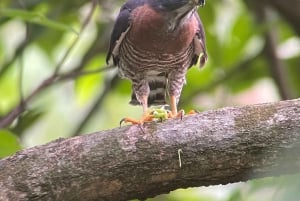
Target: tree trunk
[
  {"x": 215, "y": 147},
  {"x": 289, "y": 10}
]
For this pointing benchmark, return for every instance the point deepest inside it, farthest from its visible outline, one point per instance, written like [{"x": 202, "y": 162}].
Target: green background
[{"x": 38, "y": 38}]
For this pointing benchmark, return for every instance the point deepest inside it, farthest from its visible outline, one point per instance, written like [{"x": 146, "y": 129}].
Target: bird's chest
[{"x": 150, "y": 31}]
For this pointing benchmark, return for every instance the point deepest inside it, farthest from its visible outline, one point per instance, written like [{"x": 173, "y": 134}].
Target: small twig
[
  {"x": 17, "y": 53},
  {"x": 21, "y": 69},
  {"x": 11, "y": 116},
  {"x": 20, "y": 77},
  {"x": 179, "y": 157},
  {"x": 84, "y": 25},
  {"x": 109, "y": 85},
  {"x": 76, "y": 74},
  {"x": 277, "y": 66},
  {"x": 238, "y": 68}
]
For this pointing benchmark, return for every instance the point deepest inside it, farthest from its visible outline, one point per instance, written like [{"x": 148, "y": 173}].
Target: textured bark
[{"x": 218, "y": 147}]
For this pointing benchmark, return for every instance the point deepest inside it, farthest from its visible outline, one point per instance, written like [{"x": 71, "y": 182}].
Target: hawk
[{"x": 154, "y": 43}]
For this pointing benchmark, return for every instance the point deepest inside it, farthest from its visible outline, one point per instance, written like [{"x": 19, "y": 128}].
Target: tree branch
[
  {"x": 289, "y": 10},
  {"x": 277, "y": 67},
  {"x": 110, "y": 83},
  {"x": 235, "y": 70},
  {"x": 21, "y": 107},
  {"x": 218, "y": 147}
]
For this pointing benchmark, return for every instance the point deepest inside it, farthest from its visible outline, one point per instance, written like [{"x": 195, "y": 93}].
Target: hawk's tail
[{"x": 157, "y": 94}]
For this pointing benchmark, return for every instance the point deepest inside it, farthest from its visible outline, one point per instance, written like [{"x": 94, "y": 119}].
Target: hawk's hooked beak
[{"x": 198, "y": 2}]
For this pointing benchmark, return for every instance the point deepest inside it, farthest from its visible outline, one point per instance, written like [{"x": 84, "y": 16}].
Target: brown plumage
[{"x": 154, "y": 43}]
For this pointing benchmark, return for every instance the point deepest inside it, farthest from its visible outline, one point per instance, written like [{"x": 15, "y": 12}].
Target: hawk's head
[
  {"x": 175, "y": 10},
  {"x": 176, "y": 5}
]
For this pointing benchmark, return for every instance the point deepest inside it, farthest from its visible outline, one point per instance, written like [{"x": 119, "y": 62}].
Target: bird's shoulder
[{"x": 121, "y": 26}]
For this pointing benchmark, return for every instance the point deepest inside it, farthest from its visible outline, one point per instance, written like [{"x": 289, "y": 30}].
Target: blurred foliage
[
  {"x": 8, "y": 144},
  {"x": 38, "y": 38},
  {"x": 35, "y": 18}
]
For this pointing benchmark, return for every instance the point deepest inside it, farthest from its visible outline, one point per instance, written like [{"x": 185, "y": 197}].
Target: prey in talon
[
  {"x": 155, "y": 113},
  {"x": 153, "y": 44}
]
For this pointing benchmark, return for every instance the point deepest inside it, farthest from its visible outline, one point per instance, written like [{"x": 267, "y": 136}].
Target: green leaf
[
  {"x": 248, "y": 76},
  {"x": 9, "y": 95},
  {"x": 8, "y": 143},
  {"x": 27, "y": 119},
  {"x": 293, "y": 75},
  {"x": 239, "y": 37},
  {"x": 36, "y": 18},
  {"x": 89, "y": 85}
]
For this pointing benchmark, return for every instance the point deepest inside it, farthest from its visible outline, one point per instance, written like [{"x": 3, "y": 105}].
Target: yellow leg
[
  {"x": 174, "y": 112},
  {"x": 145, "y": 105},
  {"x": 173, "y": 106}
]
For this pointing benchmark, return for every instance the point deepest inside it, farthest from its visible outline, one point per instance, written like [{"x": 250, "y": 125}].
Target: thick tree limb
[{"x": 218, "y": 147}]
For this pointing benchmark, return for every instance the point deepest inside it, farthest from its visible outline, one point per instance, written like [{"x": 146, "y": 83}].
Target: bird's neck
[{"x": 177, "y": 18}]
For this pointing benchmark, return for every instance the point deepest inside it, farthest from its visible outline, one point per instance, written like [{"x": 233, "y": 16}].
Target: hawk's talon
[
  {"x": 181, "y": 114},
  {"x": 193, "y": 112},
  {"x": 146, "y": 118},
  {"x": 158, "y": 115},
  {"x": 122, "y": 120}
]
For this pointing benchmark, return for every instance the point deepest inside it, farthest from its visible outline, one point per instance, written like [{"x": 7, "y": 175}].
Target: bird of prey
[{"x": 154, "y": 43}]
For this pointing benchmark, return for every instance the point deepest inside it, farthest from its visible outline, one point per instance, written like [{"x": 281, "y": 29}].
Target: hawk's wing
[
  {"x": 199, "y": 43},
  {"x": 121, "y": 27}
]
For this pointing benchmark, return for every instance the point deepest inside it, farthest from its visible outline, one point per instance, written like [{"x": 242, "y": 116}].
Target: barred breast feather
[
  {"x": 137, "y": 65},
  {"x": 153, "y": 47}
]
